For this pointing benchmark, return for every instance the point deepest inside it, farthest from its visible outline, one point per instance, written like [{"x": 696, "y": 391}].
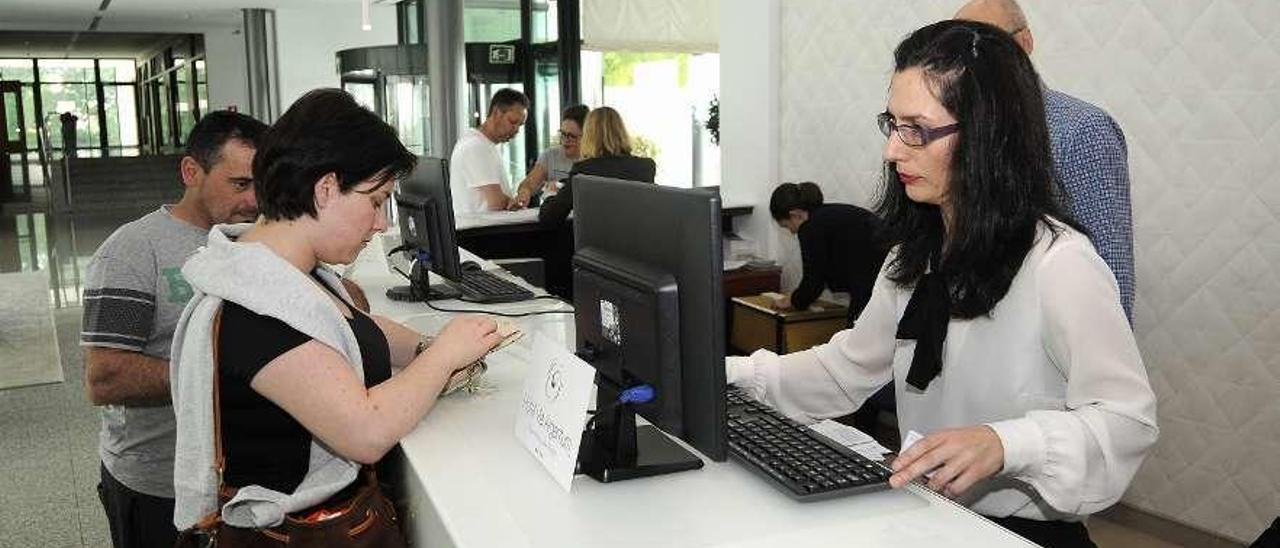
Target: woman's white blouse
[{"x": 1053, "y": 369}]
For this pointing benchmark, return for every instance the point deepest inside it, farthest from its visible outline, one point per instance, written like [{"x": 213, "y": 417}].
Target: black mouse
[{"x": 470, "y": 266}]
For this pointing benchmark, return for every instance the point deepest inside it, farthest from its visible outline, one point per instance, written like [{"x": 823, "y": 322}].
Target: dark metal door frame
[
  {"x": 566, "y": 52},
  {"x": 13, "y": 89}
]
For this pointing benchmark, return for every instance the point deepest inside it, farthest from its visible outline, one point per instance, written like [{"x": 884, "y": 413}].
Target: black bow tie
[{"x": 925, "y": 320}]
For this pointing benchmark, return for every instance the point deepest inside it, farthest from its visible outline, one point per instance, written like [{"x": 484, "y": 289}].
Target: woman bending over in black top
[{"x": 839, "y": 246}]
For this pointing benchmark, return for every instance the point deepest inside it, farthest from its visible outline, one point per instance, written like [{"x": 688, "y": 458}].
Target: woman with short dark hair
[
  {"x": 304, "y": 379},
  {"x": 998, "y": 323}
]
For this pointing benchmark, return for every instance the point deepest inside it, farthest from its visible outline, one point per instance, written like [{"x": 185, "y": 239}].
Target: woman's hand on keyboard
[{"x": 955, "y": 459}]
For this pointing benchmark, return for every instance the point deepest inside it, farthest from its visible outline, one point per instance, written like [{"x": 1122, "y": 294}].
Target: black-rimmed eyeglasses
[
  {"x": 913, "y": 135},
  {"x": 564, "y": 135}
]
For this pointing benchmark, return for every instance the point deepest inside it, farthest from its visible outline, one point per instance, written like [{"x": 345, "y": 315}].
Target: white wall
[
  {"x": 225, "y": 62},
  {"x": 1194, "y": 85},
  {"x": 306, "y": 41},
  {"x": 749, "y": 129}
]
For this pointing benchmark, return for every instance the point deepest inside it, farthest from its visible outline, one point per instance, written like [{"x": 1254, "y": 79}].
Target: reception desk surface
[{"x": 470, "y": 483}]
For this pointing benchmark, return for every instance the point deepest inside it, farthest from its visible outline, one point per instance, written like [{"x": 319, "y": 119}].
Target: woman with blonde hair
[{"x": 606, "y": 152}]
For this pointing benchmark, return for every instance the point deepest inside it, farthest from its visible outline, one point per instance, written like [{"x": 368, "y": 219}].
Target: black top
[
  {"x": 840, "y": 250},
  {"x": 631, "y": 168},
  {"x": 263, "y": 444}
]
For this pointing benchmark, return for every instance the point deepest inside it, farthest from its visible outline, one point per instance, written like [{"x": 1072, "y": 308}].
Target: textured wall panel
[{"x": 1196, "y": 87}]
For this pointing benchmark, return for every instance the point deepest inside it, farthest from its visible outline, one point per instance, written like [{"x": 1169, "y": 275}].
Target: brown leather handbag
[{"x": 366, "y": 519}]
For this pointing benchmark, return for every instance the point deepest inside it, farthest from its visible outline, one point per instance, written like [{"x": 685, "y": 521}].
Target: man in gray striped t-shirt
[{"x": 134, "y": 293}]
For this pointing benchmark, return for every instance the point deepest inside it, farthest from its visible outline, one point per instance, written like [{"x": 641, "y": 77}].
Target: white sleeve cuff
[
  {"x": 739, "y": 370},
  {"x": 1024, "y": 446},
  {"x": 753, "y": 373}
]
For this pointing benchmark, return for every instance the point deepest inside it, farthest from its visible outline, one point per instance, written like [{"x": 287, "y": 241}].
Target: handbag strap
[
  {"x": 211, "y": 520},
  {"x": 219, "y": 458}
]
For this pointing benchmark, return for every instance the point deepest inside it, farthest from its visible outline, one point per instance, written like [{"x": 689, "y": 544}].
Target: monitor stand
[
  {"x": 414, "y": 291},
  {"x": 437, "y": 292},
  {"x": 615, "y": 449}
]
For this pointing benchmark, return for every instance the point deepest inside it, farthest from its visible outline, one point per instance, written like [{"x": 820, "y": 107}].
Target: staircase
[{"x": 116, "y": 183}]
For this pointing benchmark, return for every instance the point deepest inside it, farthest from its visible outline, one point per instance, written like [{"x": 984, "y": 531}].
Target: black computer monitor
[
  {"x": 647, "y": 273},
  {"x": 427, "y": 230}
]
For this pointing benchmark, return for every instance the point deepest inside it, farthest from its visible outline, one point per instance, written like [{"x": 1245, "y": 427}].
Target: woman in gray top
[{"x": 554, "y": 163}]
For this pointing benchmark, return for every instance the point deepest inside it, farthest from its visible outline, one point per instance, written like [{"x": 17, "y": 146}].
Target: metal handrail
[{"x": 46, "y": 160}]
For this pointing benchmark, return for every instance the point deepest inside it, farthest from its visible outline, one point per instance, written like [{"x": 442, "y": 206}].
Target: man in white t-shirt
[{"x": 477, "y": 176}]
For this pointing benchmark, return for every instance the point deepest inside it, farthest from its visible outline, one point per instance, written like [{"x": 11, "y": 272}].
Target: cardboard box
[{"x": 756, "y": 325}]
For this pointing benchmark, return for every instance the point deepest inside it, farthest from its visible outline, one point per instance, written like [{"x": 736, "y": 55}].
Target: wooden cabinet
[
  {"x": 757, "y": 325},
  {"x": 751, "y": 281},
  {"x": 744, "y": 282}
]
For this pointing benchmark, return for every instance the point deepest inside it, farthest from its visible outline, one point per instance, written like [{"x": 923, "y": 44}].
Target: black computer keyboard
[
  {"x": 485, "y": 287},
  {"x": 807, "y": 465}
]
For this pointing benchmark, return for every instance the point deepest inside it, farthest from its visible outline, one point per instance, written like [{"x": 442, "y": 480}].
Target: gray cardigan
[{"x": 254, "y": 277}]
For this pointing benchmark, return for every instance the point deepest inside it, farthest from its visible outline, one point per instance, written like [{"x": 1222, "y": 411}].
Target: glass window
[
  {"x": 202, "y": 87},
  {"x": 410, "y": 15},
  {"x": 406, "y": 110},
  {"x": 17, "y": 69},
  {"x": 66, "y": 70},
  {"x": 663, "y": 99},
  {"x": 29, "y": 109},
  {"x": 13, "y": 123},
  {"x": 162, "y": 98},
  {"x": 81, "y": 100},
  {"x": 363, "y": 93},
  {"x": 546, "y": 81},
  {"x": 122, "y": 116},
  {"x": 182, "y": 105},
  {"x": 546, "y": 25},
  {"x": 117, "y": 70}
]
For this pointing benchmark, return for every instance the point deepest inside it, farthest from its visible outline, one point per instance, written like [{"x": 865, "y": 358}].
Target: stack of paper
[{"x": 852, "y": 438}]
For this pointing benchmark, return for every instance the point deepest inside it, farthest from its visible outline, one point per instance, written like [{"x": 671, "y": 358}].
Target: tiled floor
[
  {"x": 49, "y": 446},
  {"x": 48, "y": 434}
]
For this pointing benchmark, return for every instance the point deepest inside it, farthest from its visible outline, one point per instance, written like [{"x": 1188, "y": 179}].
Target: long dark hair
[
  {"x": 789, "y": 196},
  {"x": 1002, "y": 181}
]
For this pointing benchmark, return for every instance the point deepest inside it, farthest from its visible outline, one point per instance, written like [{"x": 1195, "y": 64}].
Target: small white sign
[{"x": 553, "y": 408}]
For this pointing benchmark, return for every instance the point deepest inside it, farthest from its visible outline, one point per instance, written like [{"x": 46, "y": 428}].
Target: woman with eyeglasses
[
  {"x": 553, "y": 164},
  {"x": 606, "y": 152},
  {"x": 993, "y": 316}
]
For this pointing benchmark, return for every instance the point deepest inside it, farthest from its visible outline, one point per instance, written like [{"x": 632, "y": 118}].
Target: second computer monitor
[{"x": 427, "y": 228}]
